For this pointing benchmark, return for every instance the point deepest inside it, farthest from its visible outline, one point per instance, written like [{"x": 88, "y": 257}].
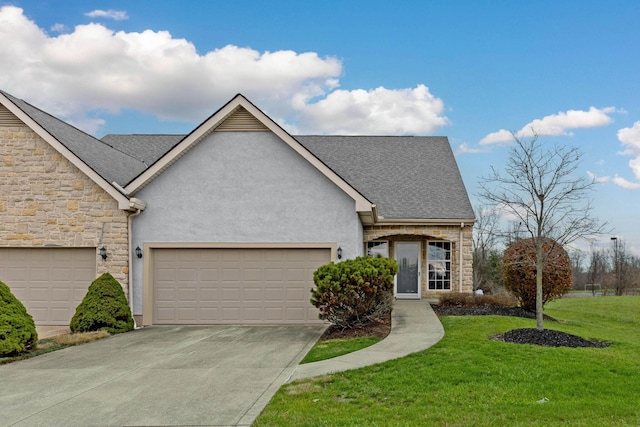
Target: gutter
[
  {"x": 136, "y": 206},
  {"x": 460, "y": 263}
]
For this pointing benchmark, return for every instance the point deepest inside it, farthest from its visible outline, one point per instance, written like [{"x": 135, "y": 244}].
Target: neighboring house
[{"x": 225, "y": 224}]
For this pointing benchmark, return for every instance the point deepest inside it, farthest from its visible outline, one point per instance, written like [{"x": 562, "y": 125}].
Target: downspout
[
  {"x": 130, "y": 243},
  {"x": 460, "y": 263},
  {"x": 138, "y": 206}
]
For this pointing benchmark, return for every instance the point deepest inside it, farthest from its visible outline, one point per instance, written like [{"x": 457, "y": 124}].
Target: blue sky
[{"x": 469, "y": 70}]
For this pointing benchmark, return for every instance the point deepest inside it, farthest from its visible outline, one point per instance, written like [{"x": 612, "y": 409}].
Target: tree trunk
[{"x": 539, "y": 268}]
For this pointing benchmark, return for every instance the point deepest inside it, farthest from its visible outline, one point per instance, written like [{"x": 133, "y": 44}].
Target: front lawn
[
  {"x": 468, "y": 379},
  {"x": 328, "y": 349}
]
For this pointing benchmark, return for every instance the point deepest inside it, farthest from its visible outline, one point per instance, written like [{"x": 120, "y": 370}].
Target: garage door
[
  {"x": 235, "y": 286},
  {"x": 50, "y": 282}
]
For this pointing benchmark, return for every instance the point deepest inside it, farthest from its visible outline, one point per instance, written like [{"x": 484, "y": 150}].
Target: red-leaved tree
[{"x": 519, "y": 271}]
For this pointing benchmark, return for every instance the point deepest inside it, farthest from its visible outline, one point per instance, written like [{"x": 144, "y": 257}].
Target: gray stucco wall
[{"x": 243, "y": 187}]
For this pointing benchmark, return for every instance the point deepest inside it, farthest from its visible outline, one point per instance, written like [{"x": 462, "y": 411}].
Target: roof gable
[
  {"x": 241, "y": 115},
  {"x": 99, "y": 162}
]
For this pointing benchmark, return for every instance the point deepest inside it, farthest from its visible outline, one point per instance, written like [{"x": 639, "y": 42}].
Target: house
[{"x": 225, "y": 224}]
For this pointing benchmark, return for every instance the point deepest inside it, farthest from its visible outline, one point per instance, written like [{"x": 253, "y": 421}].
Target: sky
[{"x": 473, "y": 71}]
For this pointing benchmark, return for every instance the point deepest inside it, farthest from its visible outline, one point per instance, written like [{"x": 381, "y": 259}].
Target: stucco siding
[{"x": 244, "y": 187}]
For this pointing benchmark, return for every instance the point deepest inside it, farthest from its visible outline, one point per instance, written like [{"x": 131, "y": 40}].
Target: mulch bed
[
  {"x": 546, "y": 337},
  {"x": 375, "y": 329}
]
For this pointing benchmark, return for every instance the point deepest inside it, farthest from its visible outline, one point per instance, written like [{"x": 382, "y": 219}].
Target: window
[
  {"x": 378, "y": 248},
  {"x": 439, "y": 265}
]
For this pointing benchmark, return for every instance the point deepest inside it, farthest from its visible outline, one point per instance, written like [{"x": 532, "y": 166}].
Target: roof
[
  {"x": 144, "y": 147},
  {"x": 108, "y": 162},
  {"x": 239, "y": 114},
  {"x": 407, "y": 177}
]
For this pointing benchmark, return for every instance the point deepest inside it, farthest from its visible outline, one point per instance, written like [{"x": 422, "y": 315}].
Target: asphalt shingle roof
[
  {"x": 147, "y": 148},
  {"x": 407, "y": 177},
  {"x": 108, "y": 162}
]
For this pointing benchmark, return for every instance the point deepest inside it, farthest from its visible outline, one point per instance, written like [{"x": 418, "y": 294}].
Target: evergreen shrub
[
  {"x": 104, "y": 308},
  {"x": 17, "y": 329},
  {"x": 355, "y": 292}
]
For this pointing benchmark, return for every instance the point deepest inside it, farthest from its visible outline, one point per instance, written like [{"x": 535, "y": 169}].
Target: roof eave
[
  {"x": 123, "y": 201},
  {"x": 448, "y": 221}
]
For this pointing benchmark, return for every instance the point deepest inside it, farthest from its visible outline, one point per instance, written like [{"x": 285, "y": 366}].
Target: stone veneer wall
[
  {"x": 451, "y": 233},
  {"x": 45, "y": 200}
]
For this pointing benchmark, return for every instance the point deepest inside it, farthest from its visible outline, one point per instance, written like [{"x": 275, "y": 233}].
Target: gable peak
[
  {"x": 8, "y": 119},
  {"x": 241, "y": 120}
]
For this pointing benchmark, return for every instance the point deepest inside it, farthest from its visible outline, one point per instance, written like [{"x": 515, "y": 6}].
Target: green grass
[
  {"x": 469, "y": 380},
  {"x": 333, "y": 348}
]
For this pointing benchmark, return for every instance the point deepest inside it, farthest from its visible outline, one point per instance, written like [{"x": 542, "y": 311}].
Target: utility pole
[{"x": 615, "y": 260}]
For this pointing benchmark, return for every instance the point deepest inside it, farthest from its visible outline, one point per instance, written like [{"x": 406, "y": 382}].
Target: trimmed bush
[
  {"x": 519, "y": 272},
  {"x": 458, "y": 299},
  {"x": 17, "y": 330},
  {"x": 355, "y": 292},
  {"x": 104, "y": 308}
]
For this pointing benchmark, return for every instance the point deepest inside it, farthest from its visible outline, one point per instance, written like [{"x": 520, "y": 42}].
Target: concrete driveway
[{"x": 160, "y": 376}]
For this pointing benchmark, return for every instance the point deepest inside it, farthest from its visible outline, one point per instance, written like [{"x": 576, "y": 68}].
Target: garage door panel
[
  {"x": 209, "y": 274},
  {"x": 187, "y": 295},
  {"x": 252, "y": 294},
  {"x": 236, "y": 285},
  {"x": 231, "y": 274},
  {"x": 50, "y": 282},
  {"x": 230, "y": 294},
  {"x": 276, "y": 294},
  {"x": 297, "y": 294}
]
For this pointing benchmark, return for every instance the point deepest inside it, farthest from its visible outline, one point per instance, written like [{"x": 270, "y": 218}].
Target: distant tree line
[{"x": 602, "y": 271}]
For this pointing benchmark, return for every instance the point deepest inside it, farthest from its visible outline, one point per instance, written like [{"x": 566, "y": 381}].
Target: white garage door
[
  {"x": 235, "y": 286},
  {"x": 50, "y": 282}
]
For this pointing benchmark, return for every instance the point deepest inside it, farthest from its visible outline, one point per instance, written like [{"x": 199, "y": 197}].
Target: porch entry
[{"x": 407, "y": 255}]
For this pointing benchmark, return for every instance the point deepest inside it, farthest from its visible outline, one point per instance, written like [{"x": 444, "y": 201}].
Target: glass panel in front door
[{"x": 407, "y": 258}]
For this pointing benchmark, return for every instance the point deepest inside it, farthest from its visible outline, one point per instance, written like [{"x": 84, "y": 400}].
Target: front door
[{"x": 408, "y": 277}]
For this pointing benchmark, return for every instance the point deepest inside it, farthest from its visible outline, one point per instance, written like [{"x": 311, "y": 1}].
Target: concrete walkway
[{"x": 414, "y": 327}]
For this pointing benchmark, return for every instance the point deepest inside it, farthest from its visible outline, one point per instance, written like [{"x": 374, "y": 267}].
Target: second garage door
[
  {"x": 235, "y": 286},
  {"x": 50, "y": 282}
]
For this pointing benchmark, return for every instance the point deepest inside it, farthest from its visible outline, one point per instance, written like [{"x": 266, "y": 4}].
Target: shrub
[
  {"x": 17, "y": 330},
  {"x": 104, "y": 308},
  {"x": 458, "y": 299},
  {"x": 519, "y": 272},
  {"x": 356, "y": 292}
]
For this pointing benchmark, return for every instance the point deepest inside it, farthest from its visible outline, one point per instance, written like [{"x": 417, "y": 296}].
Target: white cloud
[
  {"x": 628, "y": 185},
  {"x": 93, "y": 69},
  {"x": 598, "y": 179},
  {"x": 59, "y": 28},
  {"x": 630, "y": 139},
  {"x": 555, "y": 124},
  {"x": 464, "y": 148},
  {"x": 374, "y": 112},
  {"x": 117, "y": 15}
]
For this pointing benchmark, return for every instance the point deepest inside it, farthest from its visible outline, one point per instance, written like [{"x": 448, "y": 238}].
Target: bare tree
[
  {"x": 597, "y": 268},
  {"x": 623, "y": 267},
  {"x": 484, "y": 244},
  {"x": 577, "y": 268},
  {"x": 540, "y": 188}
]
